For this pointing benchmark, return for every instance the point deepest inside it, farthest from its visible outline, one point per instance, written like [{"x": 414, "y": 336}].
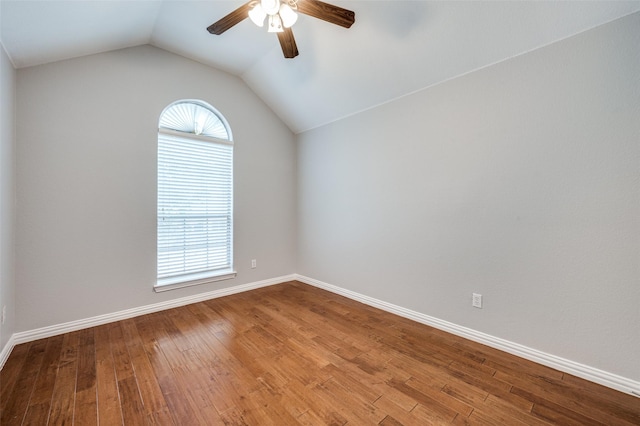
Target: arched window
[{"x": 195, "y": 196}]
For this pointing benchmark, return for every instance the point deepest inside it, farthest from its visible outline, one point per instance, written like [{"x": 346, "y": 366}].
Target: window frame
[{"x": 207, "y": 276}]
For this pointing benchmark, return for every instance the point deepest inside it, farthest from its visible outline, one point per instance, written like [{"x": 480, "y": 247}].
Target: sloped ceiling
[{"x": 393, "y": 49}]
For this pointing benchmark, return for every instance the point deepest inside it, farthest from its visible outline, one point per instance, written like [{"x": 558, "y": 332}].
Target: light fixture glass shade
[
  {"x": 275, "y": 24},
  {"x": 288, "y": 16},
  {"x": 270, "y": 7},
  {"x": 257, "y": 15}
]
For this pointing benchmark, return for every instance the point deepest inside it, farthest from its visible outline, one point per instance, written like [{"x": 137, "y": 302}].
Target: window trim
[
  {"x": 210, "y": 276},
  {"x": 173, "y": 283}
]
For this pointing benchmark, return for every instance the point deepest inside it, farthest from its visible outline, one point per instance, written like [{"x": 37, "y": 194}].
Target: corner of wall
[{"x": 7, "y": 202}]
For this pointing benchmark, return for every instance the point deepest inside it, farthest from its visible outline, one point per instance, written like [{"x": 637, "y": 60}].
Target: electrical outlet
[
  {"x": 476, "y": 301},
  {"x": 253, "y": 263},
  {"x": 4, "y": 313}
]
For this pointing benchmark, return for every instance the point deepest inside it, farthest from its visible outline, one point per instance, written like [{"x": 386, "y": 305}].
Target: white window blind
[{"x": 195, "y": 197}]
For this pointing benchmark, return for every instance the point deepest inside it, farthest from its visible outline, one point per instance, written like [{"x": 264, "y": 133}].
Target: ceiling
[{"x": 393, "y": 49}]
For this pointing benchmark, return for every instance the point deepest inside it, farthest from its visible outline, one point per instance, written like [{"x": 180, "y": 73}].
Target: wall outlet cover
[{"x": 477, "y": 300}]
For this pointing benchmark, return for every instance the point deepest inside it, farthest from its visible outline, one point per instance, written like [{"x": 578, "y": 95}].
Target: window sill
[{"x": 173, "y": 283}]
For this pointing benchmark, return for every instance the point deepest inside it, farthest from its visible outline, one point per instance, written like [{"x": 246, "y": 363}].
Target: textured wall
[{"x": 520, "y": 181}]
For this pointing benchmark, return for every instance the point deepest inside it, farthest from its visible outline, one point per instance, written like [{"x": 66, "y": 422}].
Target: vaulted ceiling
[{"x": 393, "y": 49}]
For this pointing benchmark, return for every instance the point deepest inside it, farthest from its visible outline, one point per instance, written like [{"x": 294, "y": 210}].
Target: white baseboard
[
  {"x": 604, "y": 378},
  {"x": 54, "y": 330},
  {"x": 6, "y": 351},
  {"x": 584, "y": 371}
]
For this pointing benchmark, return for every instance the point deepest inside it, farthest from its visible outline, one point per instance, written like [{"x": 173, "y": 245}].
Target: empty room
[{"x": 304, "y": 212}]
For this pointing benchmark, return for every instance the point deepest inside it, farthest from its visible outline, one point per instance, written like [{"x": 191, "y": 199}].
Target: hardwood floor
[{"x": 286, "y": 355}]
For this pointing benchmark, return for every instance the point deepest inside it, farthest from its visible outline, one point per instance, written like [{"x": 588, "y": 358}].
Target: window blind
[{"x": 195, "y": 202}]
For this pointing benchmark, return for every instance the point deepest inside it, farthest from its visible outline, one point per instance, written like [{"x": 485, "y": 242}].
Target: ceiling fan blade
[
  {"x": 230, "y": 20},
  {"x": 327, "y": 12},
  {"x": 288, "y": 43}
]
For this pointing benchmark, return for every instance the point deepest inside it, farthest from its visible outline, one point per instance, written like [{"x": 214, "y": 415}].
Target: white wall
[
  {"x": 7, "y": 195},
  {"x": 520, "y": 181},
  {"x": 86, "y": 176}
]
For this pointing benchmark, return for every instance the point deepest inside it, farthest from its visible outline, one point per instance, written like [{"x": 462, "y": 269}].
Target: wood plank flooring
[{"x": 287, "y": 355}]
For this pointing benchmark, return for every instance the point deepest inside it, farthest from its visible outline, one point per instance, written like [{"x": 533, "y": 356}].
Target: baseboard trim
[
  {"x": 54, "y": 330},
  {"x": 6, "y": 351},
  {"x": 586, "y": 372}
]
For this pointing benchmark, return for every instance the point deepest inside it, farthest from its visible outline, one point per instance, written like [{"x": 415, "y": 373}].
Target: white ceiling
[{"x": 394, "y": 47}]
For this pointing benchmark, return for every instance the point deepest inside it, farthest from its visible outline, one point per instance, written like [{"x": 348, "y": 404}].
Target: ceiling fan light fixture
[
  {"x": 287, "y": 15},
  {"x": 275, "y": 24},
  {"x": 282, "y": 15},
  {"x": 257, "y": 15},
  {"x": 270, "y": 7}
]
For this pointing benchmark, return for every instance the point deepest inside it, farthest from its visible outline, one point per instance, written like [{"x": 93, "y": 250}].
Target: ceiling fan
[{"x": 281, "y": 15}]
